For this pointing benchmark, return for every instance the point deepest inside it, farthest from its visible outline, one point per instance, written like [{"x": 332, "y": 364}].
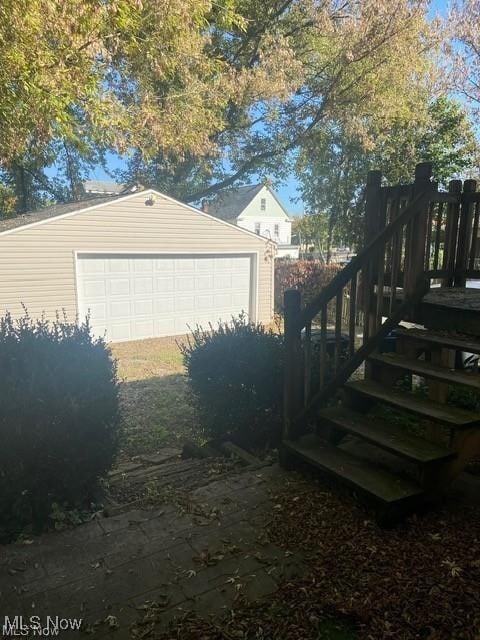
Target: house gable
[
  {"x": 264, "y": 204},
  {"x": 266, "y": 216}
]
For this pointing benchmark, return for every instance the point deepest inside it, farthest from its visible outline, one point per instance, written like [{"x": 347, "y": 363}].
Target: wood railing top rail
[
  {"x": 405, "y": 191},
  {"x": 472, "y": 196},
  {"x": 366, "y": 254},
  {"x": 398, "y": 191},
  {"x": 443, "y": 196}
]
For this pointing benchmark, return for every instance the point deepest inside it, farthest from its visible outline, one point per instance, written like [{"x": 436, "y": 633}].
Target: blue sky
[{"x": 287, "y": 191}]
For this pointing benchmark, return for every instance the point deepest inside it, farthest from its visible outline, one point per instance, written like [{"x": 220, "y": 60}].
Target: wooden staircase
[{"x": 353, "y": 428}]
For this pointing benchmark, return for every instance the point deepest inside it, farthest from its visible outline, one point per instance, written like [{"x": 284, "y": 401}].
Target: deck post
[
  {"x": 372, "y": 205},
  {"x": 451, "y": 232},
  {"x": 292, "y": 401},
  {"x": 417, "y": 232},
  {"x": 464, "y": 233},
  {"x": 372, "y": 228}
]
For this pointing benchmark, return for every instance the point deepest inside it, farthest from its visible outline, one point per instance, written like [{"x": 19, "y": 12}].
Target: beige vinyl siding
[{"x": 37, "y": 263}]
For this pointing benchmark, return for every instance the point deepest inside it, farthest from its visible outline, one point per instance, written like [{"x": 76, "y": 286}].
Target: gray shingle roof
[
  {"x": 230, "y": 203},
  {"x": 103, "y": 186},
  {"x": 20, "y": 220}
]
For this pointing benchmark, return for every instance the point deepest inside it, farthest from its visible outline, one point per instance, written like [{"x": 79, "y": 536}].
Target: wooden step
[
  {"x": 452, "y": 417},
  {"x": 389, "y": 437},
  {"x": 377, "y": 483},
  {"x": 427, "y": 370},
  {"x": 459, "y": 343}
]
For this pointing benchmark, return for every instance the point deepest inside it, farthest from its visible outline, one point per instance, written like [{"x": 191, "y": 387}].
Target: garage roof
[
  {"x": 12, "y": 222},
  {"x": 8, "y": 224}
]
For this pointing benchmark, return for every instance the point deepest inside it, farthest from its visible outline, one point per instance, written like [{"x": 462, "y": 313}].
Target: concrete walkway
[{"x": 151, "y": 565}]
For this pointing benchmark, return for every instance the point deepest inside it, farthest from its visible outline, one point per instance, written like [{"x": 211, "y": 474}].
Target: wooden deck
[
  {"x": 457, "y": 299},
  {"x": 452, "y": 309},
  {"x": 447, "y": 309}
]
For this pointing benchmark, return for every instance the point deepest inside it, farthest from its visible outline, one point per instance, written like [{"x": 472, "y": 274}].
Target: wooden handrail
[
  {"x": 418, "y": 234},
  {"x": 441, "y": 196},
  {"x": 472, "y": 197},
  {"x": 359, "y": 261}
]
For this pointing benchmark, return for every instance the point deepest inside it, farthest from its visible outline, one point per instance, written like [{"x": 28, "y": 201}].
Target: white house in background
[{"x": 257, "y": 209}]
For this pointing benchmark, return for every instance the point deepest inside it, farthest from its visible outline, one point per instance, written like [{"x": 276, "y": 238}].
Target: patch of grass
[
  {"x": 145, "y": 359},
  {"x": 154, "y": 396},
  {"x": 156, "y": 413}
]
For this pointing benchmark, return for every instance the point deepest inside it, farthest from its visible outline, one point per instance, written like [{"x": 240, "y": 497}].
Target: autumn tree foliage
[
  {"x": 198, "y": 93},
  {"x": 342, "y": 60},
  {"x": 122, "y": 73},
  {"x": 202, "y": 95},
  {"x": 81, "y": 77},
  {"x": 464, "y": 49}
]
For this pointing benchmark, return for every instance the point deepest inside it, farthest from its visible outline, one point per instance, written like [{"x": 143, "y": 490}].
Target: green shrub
[
  {"x": 59, "y": 418},
  {"x": 235, "y": 375}
]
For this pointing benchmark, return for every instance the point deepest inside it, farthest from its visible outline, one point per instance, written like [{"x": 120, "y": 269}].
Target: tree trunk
[
  {"x": 321, "y": 255},
  {"x": 22, "y": 189},
  {"x": 331, "y": 224}
]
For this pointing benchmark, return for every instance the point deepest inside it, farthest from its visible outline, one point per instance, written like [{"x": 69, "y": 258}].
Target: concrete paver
[{"x": 200, "y": 558}]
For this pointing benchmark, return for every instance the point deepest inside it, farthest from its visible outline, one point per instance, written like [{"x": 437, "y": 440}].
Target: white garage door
[{"x": 133, "y": 296}]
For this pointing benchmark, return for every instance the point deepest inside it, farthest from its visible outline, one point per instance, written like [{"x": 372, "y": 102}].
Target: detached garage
[{"x": 141, "y": 266}]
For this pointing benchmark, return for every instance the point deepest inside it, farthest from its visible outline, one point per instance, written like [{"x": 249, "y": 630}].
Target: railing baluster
[
  {"x": 346, "y": 307},
  {"x": 407, "y": 252},
  {"x": 380, "y": 285},
  {"x": 446, "y": 241},
  {"x": 352, "y": 315},
  {"x": 292, "y": 402},
  {"x": 307, "y": 349},
  {"x": 323, "y": 346},
  {"x": 338, "y": 329},
  {"x": 474, "y": 247},
  {"x": 402, "y": 266},
  {"x": 389, "y": 249},
  {"x": 451, "y": 231},
  {"x": 428, "y": 249},
  {"x": 438, "y": 228},
  {"x": 396, "y": 251},
  {"x": 367, "y": 300},
  {"x": 394, "y": 208},
  {"x": 464, "y": 230}
]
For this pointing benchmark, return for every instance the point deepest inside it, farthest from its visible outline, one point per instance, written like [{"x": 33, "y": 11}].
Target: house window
[
  {"x": 257, "y": 228},
  {"x": 275, "y": 230},
  {"x": 263, "y": 204}
]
